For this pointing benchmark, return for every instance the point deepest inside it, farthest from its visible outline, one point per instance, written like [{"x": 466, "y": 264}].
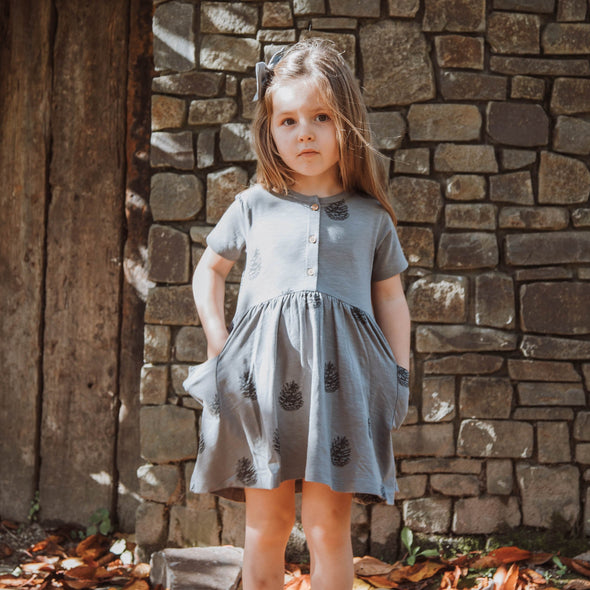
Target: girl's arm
[
  {"x": 393, "y": 317},
  {"x": 209, "y": 293}
]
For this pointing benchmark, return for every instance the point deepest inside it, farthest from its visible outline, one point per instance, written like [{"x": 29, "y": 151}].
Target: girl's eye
[
  {"x": 322, "y": 118},
  {"x": 288, "y": 122}
]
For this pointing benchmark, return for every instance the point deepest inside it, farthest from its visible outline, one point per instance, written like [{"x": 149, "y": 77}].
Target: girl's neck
[{"x": 315, "y": 187}]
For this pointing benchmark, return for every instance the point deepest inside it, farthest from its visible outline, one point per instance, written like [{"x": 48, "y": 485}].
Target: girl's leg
[
  {"x": 270, "y": 516},
  {"x": 325, "y": 516}
]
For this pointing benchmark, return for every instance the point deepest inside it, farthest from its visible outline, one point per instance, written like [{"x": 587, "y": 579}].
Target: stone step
[{"x": 197, "y": 568}]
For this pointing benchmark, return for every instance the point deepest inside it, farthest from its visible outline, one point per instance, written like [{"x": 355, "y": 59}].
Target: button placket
[{"x": 312, "y": 245}]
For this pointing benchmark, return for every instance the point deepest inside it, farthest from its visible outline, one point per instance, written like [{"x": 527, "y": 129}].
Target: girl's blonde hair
[{"x": 361, "y": 166}]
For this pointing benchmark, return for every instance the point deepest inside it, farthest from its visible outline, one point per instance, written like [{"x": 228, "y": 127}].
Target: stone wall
[{"x": 484, "y": 111}]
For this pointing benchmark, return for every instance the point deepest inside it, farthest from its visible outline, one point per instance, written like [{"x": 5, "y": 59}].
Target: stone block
[
  {"x": 197, "y": 501},
  {"x": 403, "y": 9},
  {"x": 174, "y": 39},
  {"x": 514, "y": 159},
  {"x": 441, "y": 465},
  {"x": 527, "y": 88},
  {"x": 495, "y": 438},
  {"x": 436, "y": 440},
  {"x": 171, "y": 305},
  {"x": 237, "y": 18},
  {"x": 551, "y": 394},
  {"x": 548, "y": 492},
  {"x": 467, "y": 250},
  {"x": 190, "y": 345},
  {"x": 225, "y": 52},
  {"x": 427, "y": 515},
  {"x": 389, "y": 129},
  {"x": 563, "y": 180},
  {"x": 472, "y": 86},
  {"x": 178, "y": 373},
  {"x": 543, "y": 274},
  {"x": 168, "y": 255},
  {"x": 450, "y": 157},
  {"x": 538, "y": 218},
  {"x": 279, "y": 36},
  {"x": 233, "y": 522},
  {"x": 212, "y": 111},
  {"x": 472, "y": 216},
  {"x": 175, "y": 197},
  {"x": 411, "y": 486},
  {"x": 525, "y": 370},
  {"x": 444, "y": 122},
  {"x": 412, "y": 161},
  {"x": 464, "y": 364},
  {"x": 202, "y": 568},
  {"x": 401, "y": 77},
  {"x": 546, "y": 347},
  {"x": 535, "y": 66},
  {"x": 438, "y": 399},
  {"x": 582, "y": 426},
  {"x": 534, "y": 249},
  {"x": 304, "y": 7},
  {"x": 525, "y": 125},
  {"x": 553, "y": 442},
  {"x": 572, "y": 136},
  {"x": 494, "y": 300},
  {"x": 222, "y": 187},
  {"x": 204, "y": 84},
  {"x": 499, "y": 479},
  {"x": 153, "y": 385},
  {"x": 536, "y": 414},
  {"x": 466, "y": 187},
  {"x": 344, "y": 43},
  {"x": 555, "y": 308},
  {"x": 359, "y": 529},
  {"x": 570, "y": 96},
  {"x": 454, "y": 484},
  {"x": 167, "y": 433},
  {"x": 439, "y": 339},
  {"x": 159, "y": 483},
  {"x": 385, "y": 528},
  {"x": 513, "y": 187},
  {"x": 438, "y": 298},
  {"x": 150, "y": 525},
  {"x": 167, "y": 112},
  {"x": 156, "y": 344},
  {"x": 418, "y": 245},
  {"x": 459, "y": 51},
  {"x": 277, "y": 14},
  {"x": 510, "y": 32},
  {"x": 172, "y": 150},
  {"x": 357, "y": 8},
  {"x": 231, "y": 85},
  {"x": 416, "y": 199},
  {"x": 191, "y": 527},
  {"x": 571, "y": 10},
  {"x": 537, "y": 6},
  {"x": 235, "y": 142},
  {"x": 566, "y": 39},
  {"x": 485, "y": 515},
  {"x": 206, "y": 148},
  {"x": 583, "y": 453},
  {"x": 485, "y": 397},
  {"x": 587, "y": 513},
  {"x": 454, "y": 15}
]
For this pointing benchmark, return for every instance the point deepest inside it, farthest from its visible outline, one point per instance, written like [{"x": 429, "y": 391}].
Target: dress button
[
  {"x": 313, "y": 239},
  {"x": 315, "y": 207},
  {"x": 310, "y": 272}
]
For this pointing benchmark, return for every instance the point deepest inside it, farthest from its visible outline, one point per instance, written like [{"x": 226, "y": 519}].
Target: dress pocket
[
  {"x": 403, "y": 396},
  {"x": 201, "y": 384}
]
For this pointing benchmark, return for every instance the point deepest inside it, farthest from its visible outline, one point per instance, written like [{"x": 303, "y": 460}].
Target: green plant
[
  {"x": 100, "y": 522},
  {"x": 414, "y": 552},
  {"x": 35, "y": 507},
  {"x": 561, "y": 568}
]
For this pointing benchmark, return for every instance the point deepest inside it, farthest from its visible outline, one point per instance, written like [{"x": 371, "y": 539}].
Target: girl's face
[{"x": 305, "y": 136}]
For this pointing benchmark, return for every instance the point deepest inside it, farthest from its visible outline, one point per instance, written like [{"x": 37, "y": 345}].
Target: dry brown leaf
[
  {"x": 582, "y": 567},
  {"x": 9, "y": 524},
  {"x": 510, "y": 554},
  {"x": 381, "y": 582},
  {"x": 415, "y": 573},
  {"x": 33, "y": 567},
  {"x": 84, "y": 572},
  {"x": 49, "y": 546},
  {"x": 136, "y": 585},
  {"x": 301, "y": 582},
  {"x": 72, "y": 562},
  {"x": 371, "y": 566},
  {"x": 511, "y": 579},
  {"x": 93, "y": 547},
  {"x": 141, "y": 570},
  {"x": 577, "y": 585},
  {"x": 359, "y": 584},
  {"x": 450, "y": 579},
  {"x": 80, "y": 584},
  {"x": 5, "y": 550},
  {"x": 539, "y": 558}
]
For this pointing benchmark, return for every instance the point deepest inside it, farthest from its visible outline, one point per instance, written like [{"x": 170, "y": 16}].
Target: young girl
[{"x": 304, "y": 391}]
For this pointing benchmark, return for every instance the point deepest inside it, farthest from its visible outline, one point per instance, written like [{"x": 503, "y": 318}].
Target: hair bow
[{"x": 264, "y": 72}]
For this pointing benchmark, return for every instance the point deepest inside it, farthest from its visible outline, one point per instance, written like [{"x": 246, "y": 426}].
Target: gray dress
[{"x": 306, "y": 386}]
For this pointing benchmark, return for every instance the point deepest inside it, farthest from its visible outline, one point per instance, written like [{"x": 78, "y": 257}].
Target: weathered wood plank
[
  {"x": 85, "y": 225},
  {"x": 25, "y": 89}
]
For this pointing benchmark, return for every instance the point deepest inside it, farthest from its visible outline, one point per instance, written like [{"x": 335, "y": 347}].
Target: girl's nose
[{"x": 305, "y": 134}]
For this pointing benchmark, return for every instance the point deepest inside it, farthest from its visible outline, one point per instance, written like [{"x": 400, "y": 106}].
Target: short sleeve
[
  {"x": 228, "y": 237},
  {"x": 389, "y": 258}
]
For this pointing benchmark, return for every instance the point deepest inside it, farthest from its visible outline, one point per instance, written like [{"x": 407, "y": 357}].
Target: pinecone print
[
  {"x": 331, "y": 379},
  {"x": 359, "y": 315},
  {"x": 255, "y": 265},
  {"x": 246, "y": 471},
  {"x": 314, "y": 299},
  {"x": 215, "y": 405},
  {"x": 201, "y": 443},
  {"x": 247, "y": 386},
  {"x": 382, "y": 491},
  {"x": 276, "y": 441},
  {"x": 290, "y": 397},
  {"x": 403, "y": 377},
  {"x": 337, "y": 211},
  {"x": 370, "y": 427},
  {"x": 340, "y": 451}
]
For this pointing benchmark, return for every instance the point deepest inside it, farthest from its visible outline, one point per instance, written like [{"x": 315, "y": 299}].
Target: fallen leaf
[
  {"x": 450, "y": 579},
  {"x": 84, "y": 572},
  {"x": 358, "y": 584},
  {"x": 533, "y": 576},
  {"x": 539, "y": 558},
  {"x": 582, "y": 567},
  {"x": 137, "y": 585},
  {"x": 141, "y": 570},
  {"x": 72, "y": 562},
  {"x": 577, "y": 585},
  {"x": 511, "y": 578},
  {"x": 5, "y": 550},
  {"x": 302, "y": 582},
  {"x": 9, "y": 524},
  {"x": 415, "y": 573},
  {"x": 371, "y": 566},
  {"x": 80, "y": 584},
  {"x": 8, "y": 581},
  {"x": 33, "y": 567},
  {"x": 93, "y": 547}
]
